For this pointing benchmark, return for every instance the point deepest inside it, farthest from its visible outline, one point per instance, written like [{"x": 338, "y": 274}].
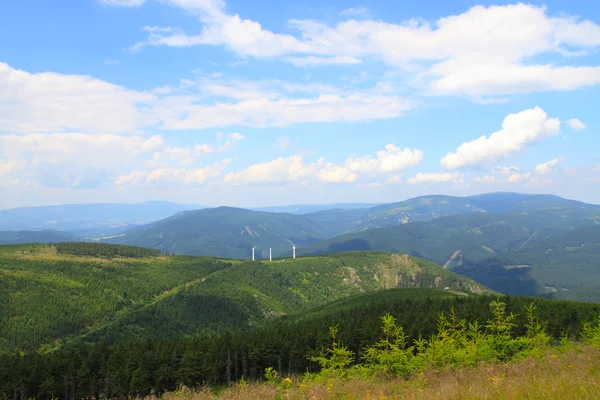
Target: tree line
[{"x": 291, "y": 345}]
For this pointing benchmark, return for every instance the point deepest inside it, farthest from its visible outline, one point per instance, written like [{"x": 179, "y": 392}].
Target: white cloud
[
  {"x": 185, "y": 176},
  {"x": 482, "y": 51},
  {"x": 390, "y": 160},
  {"x": 517, "y": 131},
  {"x": 156, "y": 28},
  {"x": 279, "y": 170},
  {"x": 491, "y": 77},
  {"x": 484, "y": 179},
  {"x": 333, "y": 173},
  {"x": 180, "y": 113},
  {"x": 576, "y": 124},
  {"x": 122, "y": 3},
  {"x": 355, "y": 12},
  {"x": 436, "y": 177},
  {"x": 80, "y": 160},
  {"x": 548, "y": 166},
  {"x": 112, "y": 62},
  {"x": 72, "y": 159},
  {"x": 50, "y": 102},
  {"x": 517, "y": 177},
  {"x": 313, "y": 61},
  {"x": 505, "y": 170}
]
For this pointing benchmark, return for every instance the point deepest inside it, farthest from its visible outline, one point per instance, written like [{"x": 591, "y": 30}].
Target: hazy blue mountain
[
  {"x": 313, "y": 208},
  {"x": 89, "y": 219},
  {"x": 47, "y": 236},
  {"x": 225, "y": 232},
  {"x": 427, "y": 208}
]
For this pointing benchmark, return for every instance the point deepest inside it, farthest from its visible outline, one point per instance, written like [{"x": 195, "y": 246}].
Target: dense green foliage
[
  {"x": 533, "y": 253},
  {"x": 288, "y": 345},
  {"x": 104, "y": 250},
  {"x": 47, "y": 297},
  {"x": 51, "y": 299},
  {"x": 225, "y": 232},
  {"x": 566, "y": 266}
]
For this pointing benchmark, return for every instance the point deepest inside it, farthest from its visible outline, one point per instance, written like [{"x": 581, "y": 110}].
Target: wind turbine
[
  {"x": 294, "y": 251},
  {"x": 253, "y": 253},
  {"x": 270, "y": 255}
]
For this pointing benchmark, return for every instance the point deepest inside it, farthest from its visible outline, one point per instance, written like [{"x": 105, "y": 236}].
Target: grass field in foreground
[{"x": 574, "y": 374}]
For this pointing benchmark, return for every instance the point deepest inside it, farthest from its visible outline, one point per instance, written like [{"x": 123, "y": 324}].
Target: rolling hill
[
  {"x": 565, "y": 265},
  {"x": 225, "y": 232},
  {"x": 427, "y": 208},
  {"x": 535, "y": 253},
  {"x": 51, "y": 299}
]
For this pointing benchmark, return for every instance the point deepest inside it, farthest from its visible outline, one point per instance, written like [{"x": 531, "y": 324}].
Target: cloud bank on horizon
[{"x": 191, "y": 100}]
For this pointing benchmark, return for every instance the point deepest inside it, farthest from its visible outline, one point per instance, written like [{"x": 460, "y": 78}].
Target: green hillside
[
  {"x": 47, "y": 236},
  {"x": 565, "y": 265},
  {"x": 50, "y": 299},
  {"x": 520, "y": 254},
  {"x": 427, "y": 208},
  {"x": 225, "y": 232},
  {"x": 467, "y": 237},
  {"x": 286, "y": 344}
]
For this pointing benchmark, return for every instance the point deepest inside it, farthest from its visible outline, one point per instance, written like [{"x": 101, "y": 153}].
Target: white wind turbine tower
[
  {"x": 270, "y": 255},
  {"x": 294, "y": 251},
  {"x": 253, "y": 253}
]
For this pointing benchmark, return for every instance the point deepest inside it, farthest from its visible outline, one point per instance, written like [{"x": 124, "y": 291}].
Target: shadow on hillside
[{"x": 514, "y": 282}]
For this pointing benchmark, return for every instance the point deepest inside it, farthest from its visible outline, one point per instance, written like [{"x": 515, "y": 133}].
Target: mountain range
[{"x": 514, "y": 243}]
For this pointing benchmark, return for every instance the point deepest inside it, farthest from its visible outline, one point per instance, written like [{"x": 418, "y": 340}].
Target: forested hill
[
  {"x": 157, "y": 365},
  {"x": 427, "y": 208},
  {"x": 46, "y": 236},
  {"x": 225, "y": 232},
  {"x": 51, "y": 299},
  {"x": 518, "y": 254}
]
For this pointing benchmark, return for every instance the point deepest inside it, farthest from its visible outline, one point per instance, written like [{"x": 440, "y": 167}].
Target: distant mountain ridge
[
  {"x": 225, "y": 232},
  {"x": 45, "y": 236},
  {"x": 89, "y": 219},
  {"x": 426, "y": 208}
]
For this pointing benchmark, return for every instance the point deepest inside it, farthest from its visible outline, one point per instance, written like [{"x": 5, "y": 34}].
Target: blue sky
[{"x": 264, "y": 103}]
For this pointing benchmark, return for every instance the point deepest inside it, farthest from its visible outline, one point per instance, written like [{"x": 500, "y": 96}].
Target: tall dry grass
[{"x": 574, "y": 374}]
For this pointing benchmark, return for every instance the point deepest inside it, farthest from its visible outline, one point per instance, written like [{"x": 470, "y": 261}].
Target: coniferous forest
[{"x": 97, "y": 320}]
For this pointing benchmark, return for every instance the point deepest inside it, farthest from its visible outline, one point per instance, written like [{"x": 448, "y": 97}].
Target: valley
[{"x": 178, "y": 301}]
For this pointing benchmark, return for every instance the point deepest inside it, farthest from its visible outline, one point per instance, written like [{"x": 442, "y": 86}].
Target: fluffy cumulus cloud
[
  {"x": 576, "y": 124},
  {"x": 547, "y": 167},
  {"x": 79, "y": 160},
  {"x": 391, "y": 160},
  {"x": 50, "y": 102},
  {"x": 517, "y": 177},
  {"x": 282, "y": 169},
  {"x": 436, "y": 178},
  {"x": 518, "y": 130},
  {"x": 482, "y": 51},
  {"x": 72, "y": 159},
  {"x": 179, "y": 176}
]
